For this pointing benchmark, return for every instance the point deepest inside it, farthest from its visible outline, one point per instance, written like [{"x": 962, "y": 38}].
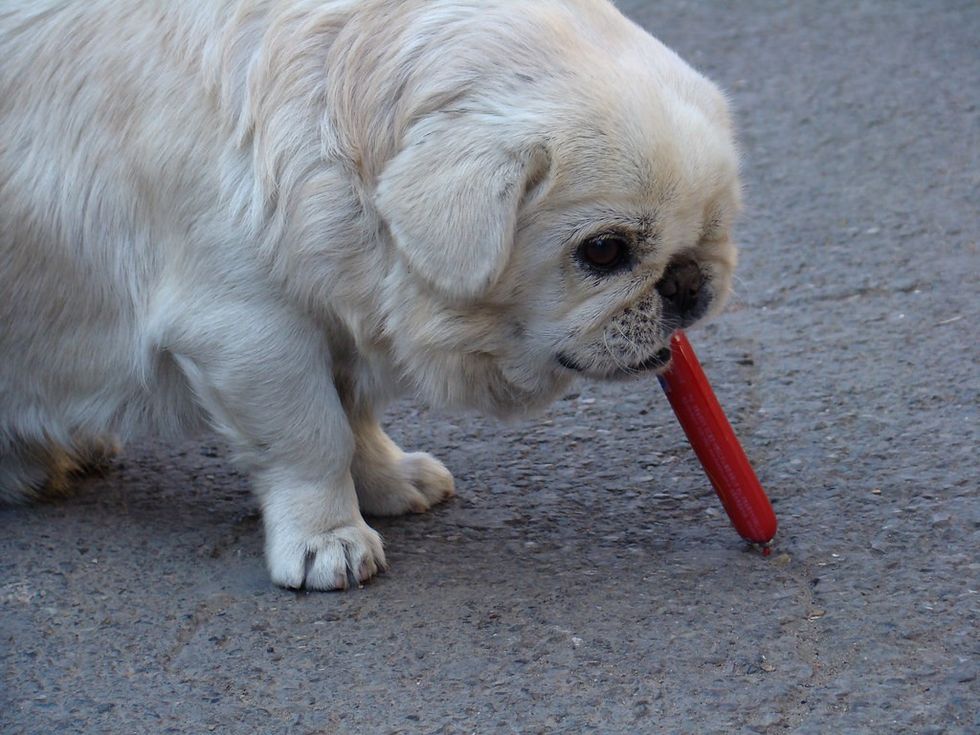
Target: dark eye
[{"x": 605, "y": 252}]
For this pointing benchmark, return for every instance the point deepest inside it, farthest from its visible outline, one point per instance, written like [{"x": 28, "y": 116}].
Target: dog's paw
[
  {"x": 429, "y": 477},
  {"x": 415, "y": 483},
  {"x": 334, "y": 560}
]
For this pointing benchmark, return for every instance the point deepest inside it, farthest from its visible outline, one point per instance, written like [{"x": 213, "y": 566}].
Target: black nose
[{"x": 681, "y": 289}]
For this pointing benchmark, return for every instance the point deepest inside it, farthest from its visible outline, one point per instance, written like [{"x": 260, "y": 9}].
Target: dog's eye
[{"x": 605, "y": 252}]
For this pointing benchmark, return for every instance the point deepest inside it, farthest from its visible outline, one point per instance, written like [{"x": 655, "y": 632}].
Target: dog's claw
[{"x": 336, "y": 560}]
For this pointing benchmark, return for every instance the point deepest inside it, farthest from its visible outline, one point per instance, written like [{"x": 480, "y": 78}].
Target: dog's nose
[{"x": 681, "y": 287}]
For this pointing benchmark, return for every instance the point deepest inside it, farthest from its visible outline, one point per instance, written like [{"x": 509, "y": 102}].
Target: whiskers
[{"x": 617, "y": 360}]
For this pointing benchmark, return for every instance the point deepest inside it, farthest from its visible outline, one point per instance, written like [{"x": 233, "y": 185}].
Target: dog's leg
[
  {"x": 315, "y": 536},
  {"x": 390, "y": 482},
  {"x": 267, "y": 387},
  {"x": 31, "y": 469},
  {"x": 93, "y": 455}
]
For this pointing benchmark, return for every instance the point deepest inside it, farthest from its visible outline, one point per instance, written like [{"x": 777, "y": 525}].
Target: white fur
[{"x": 273, "y": 216}]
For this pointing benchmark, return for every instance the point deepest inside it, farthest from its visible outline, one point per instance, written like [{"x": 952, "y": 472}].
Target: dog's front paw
[
  {"x": 429, "y": 476},
  {"x": 333, "y": 560},
  {"x": 412, "y": 484}
]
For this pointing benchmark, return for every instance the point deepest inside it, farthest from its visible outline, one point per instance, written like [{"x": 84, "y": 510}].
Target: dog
[{"x": 272, "y": 217}]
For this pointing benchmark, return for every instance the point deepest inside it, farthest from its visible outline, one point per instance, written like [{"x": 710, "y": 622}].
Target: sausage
[{"x": 716, "y": 446}]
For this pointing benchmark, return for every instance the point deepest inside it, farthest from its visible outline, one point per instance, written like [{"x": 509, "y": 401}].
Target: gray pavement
[{"x": 586, "y": 578}]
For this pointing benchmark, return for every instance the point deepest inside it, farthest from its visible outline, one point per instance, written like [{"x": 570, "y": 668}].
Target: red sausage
[{"x": 716, "y": 445}]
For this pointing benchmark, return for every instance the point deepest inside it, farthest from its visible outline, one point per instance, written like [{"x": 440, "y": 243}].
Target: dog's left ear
[{"x": 451, "y": 199}]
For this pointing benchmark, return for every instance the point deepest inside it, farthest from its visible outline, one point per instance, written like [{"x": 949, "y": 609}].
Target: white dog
[{"x": 273, "y": 216}]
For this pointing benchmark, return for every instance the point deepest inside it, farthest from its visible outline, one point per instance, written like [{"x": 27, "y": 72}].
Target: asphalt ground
[{"x": 586, "y": 578}]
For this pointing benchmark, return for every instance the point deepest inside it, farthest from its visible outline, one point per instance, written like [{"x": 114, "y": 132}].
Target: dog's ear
[{"x": 451, "y": 198}]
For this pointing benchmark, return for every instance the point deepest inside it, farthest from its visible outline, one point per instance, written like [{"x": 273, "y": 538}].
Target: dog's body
[{"x": 272, "y": 217}]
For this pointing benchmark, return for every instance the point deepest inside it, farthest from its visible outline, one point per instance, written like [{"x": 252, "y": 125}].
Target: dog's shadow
[{"x": 157, "y": 504}]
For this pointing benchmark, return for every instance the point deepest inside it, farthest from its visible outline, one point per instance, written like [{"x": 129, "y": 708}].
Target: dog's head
[{"x": 560, "y": 203}]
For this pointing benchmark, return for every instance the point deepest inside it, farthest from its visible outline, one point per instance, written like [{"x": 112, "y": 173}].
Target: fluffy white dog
[{"x": 273, "y": 216}]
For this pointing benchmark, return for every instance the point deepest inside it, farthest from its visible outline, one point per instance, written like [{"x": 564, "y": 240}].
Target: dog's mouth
[{"x": 657, "y": 362}]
